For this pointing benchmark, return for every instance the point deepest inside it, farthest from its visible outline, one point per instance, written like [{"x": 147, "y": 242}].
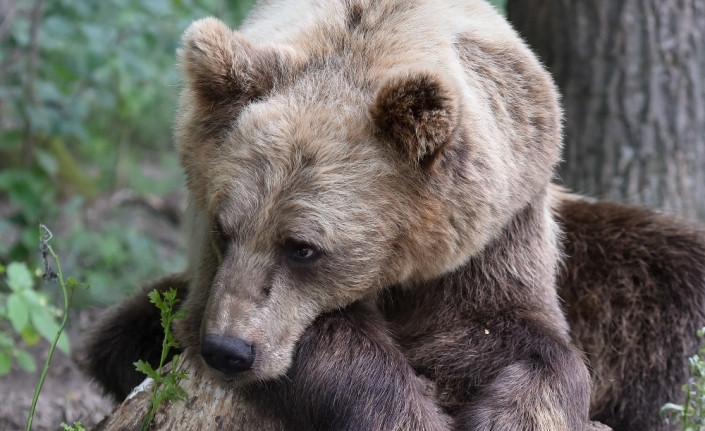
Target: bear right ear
[
  {"x": 224, "y": 71},
  {"x": 416, "y": 108}
]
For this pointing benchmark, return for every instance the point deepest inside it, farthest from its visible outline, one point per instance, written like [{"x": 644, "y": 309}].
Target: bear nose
[{"x": 229, "y": 355}]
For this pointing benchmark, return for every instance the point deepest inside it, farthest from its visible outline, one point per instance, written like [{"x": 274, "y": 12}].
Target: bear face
[{"x": 317, "y": 179}]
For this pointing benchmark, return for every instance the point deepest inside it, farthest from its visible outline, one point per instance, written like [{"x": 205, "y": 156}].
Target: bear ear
[
  {"x": 417, "y": 109},
  {"x": 223, "y": 70}
]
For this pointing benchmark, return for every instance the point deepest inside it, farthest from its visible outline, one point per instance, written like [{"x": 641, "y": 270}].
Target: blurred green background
[{"x": 87, "y": 97}]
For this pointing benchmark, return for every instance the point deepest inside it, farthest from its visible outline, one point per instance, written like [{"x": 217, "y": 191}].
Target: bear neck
[{"x": 516, "y": 270}]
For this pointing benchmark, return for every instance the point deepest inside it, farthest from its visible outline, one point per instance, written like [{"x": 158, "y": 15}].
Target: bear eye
[
  {"x": 219, "y": 237},
  {"x": 300, "y": 252},
  {"x": 304, "y": 252}
]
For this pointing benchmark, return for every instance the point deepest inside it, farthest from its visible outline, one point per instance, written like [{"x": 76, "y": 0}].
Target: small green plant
[
  {"x": 77, "y": 427},
  {"x": 68, "y": 287},
  {"x": 691, "y": 414},
  {"x": 166, "y": 387},
  {"x": 30, "y": 315}
]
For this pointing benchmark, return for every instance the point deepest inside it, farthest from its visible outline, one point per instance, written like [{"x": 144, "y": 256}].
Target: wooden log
[{"x": 211, "y": 405}]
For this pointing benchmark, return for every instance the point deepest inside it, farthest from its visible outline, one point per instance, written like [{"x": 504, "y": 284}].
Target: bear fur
[
  {"x": 633, "y": 291},
  {"x": 370, "y": 202},
  {"x": 632, "y": 287}
]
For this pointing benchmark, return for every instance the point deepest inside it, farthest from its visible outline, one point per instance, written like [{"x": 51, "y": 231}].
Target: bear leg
[
  {"x": 547, "y": 390},
  {"x": 348, "y": 374}
]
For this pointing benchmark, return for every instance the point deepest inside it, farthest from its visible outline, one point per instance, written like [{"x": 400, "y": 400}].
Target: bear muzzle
[{"x": 227, "y": 354}]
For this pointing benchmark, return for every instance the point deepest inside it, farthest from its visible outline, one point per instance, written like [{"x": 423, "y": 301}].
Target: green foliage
[
  {"x": 691, "y": 414},
  {"x": 77, "y": 426},
  {"x": 103, "y": 74},
  {"x": 112, "y": 258},
  {"x": 68, "y": 287},
  {"x": 30, "y": 316},
  {"x": 166, "y": 387},
  {"x": 87, "y": 96}
]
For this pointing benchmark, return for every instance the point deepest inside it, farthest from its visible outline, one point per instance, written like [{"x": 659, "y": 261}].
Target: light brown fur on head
[{"x": 394, "y": 143}]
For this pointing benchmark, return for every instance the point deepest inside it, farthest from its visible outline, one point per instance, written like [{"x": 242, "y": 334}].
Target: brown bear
[
  {"x": 632, "y": 285},
  {"x": 370, "y": 209}
]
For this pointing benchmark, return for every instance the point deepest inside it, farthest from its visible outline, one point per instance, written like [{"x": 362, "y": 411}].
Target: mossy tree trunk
[{"x": 632, "y": 75}]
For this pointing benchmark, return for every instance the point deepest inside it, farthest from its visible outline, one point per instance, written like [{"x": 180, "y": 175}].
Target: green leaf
[
  {"x": 18, "y": 276},
  {"x": 48, "y": 328},
  {"x": 78, "y": 426},
  {"x": 17, "y": 312},
  {"x": 30, "y": 335},
  {"x": 5, "y": 363},
  {"x": 156, "y": 299},
  {"x": 174, "y": 393},
  {"x": 47, "y": 162},
  {"x": 26, "y": 361},
  {"x": 146, "y": 368},
  {"x": 170, "y": 296},
  {"x": 6, "y": 341},
  {"x": 33, "y": 298}
]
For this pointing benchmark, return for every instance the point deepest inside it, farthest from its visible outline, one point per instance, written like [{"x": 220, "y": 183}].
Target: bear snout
[{"x": 227, "y": 354}]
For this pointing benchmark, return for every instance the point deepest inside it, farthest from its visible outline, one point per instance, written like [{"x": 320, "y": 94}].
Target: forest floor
[{"x": 68, "y": 395}]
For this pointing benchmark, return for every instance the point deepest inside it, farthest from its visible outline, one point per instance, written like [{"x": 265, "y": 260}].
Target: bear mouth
[{"x": 230, "y": 379}]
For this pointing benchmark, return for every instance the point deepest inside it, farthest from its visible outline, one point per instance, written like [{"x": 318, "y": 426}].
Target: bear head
[{"x": 318, "y": 175}]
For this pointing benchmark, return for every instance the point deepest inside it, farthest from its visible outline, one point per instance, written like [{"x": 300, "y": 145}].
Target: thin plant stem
[{"x": 67, "y": 301}]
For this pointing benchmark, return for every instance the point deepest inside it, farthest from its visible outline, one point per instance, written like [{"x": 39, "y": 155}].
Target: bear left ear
[
  {"x": 417, "y": 109},
  {"x": 224, "y": 71}
]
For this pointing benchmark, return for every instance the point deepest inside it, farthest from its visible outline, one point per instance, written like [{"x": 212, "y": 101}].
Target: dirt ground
[{"x": 67, "y": 396}]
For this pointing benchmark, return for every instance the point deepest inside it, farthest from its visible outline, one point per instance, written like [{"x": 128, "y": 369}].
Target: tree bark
[
  {"x": 632, "y": 75},
  {"x": 210, "y": 406}
]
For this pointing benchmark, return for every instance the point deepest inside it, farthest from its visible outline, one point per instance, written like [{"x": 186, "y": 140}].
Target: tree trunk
[
  {"x": 210, "y": 406},
  {"x": 632, "y": 75}
]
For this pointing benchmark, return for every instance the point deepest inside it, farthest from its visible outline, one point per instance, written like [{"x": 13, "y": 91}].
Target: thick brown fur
[
  {"x": 348, "y": 374},
  {"x": 405, "y": 149},
  {"x": 400, "y": 150},
  {"x": 408, "y": 143},
  {"x": 497, "y": 355},
  {"x": 633, "y": 287},
  {"x": 633, "y": 291}
]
